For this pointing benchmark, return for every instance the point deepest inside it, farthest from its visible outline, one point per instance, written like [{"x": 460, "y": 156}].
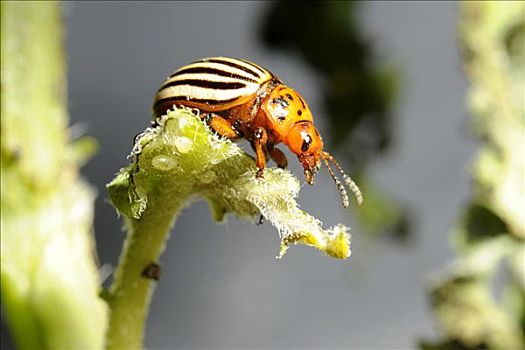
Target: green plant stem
[
  {"x": 175, "y": 162},
  {"x": 131, "y": 292}
]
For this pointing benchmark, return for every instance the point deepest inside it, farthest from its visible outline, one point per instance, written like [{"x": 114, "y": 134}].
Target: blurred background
[
  {"x": 231, "y": 292},
  {"x": 386, "y": 84}
]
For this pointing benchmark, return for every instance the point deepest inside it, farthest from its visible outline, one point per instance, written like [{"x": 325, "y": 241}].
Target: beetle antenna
[
  {"x": 342, "y": 191},
  {"x": 349, "y": 182}
]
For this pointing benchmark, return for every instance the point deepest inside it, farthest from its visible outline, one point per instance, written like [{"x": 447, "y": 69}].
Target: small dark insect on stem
[{"x": 152, "y": 271}]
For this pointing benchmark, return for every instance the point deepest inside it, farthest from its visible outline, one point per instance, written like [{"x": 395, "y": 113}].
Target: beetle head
[
  {"x": 293, "y": 123},
  {"x": 304, "y": 140}
]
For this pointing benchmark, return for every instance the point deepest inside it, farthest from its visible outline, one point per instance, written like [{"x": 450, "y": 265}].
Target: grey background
[{"x": 221, "y": 285}]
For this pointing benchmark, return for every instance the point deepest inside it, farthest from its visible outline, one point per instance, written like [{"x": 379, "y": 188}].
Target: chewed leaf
[
  {"x": 181, "y": 158},
  {"x": 334, "y": 241}
]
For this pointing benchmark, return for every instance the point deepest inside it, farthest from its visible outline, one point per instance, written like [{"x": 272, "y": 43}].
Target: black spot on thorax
[{"x": 281, "y": 101}]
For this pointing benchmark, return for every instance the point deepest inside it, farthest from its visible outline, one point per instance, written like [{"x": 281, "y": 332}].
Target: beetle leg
[
  {"x": 259, "y": 144},
  {"x": 223, "y": 126},
  {"x": 278, "y": 157}
]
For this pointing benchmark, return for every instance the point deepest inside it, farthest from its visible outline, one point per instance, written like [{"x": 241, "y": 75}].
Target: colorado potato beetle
[{"x": 240, "y": 99}]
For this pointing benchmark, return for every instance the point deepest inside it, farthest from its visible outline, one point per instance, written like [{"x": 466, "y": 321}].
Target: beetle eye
[{"x": 307, "y": 141}]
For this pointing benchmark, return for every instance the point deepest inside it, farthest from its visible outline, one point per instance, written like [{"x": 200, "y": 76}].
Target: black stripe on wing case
[
  {"x": 206, "y": 70},
  {"x": 214, "y": 85},
  {"x": 235, "y": 65}
]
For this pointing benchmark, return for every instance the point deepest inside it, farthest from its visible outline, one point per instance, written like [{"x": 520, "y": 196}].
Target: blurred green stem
[
  {"x": 49, "y": 278},
  {"x": 490, "y": 238}
]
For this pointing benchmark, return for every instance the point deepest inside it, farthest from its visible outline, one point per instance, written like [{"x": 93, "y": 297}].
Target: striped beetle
[{"x": 239, "y": 99}]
